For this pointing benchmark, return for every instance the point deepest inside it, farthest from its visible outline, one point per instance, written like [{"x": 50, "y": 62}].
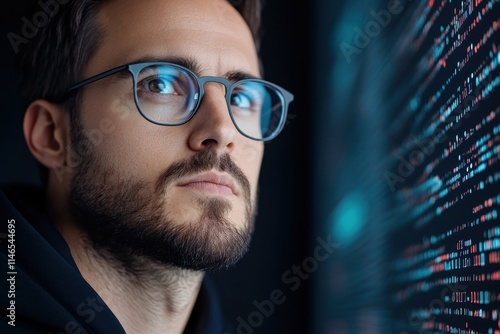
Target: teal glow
[{"x": 348, "y": 218}]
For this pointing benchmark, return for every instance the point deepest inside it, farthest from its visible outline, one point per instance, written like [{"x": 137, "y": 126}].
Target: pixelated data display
[{"x": 445, "y": 267}]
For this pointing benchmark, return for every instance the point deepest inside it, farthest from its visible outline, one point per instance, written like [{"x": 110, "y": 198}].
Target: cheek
[
  {"x": 139, "y": 152},
  {"x": 249, "y": 159},
  {"x": 127, "y": 143}
]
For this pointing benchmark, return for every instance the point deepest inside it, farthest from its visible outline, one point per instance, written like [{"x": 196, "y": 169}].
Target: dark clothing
[{"x": 49, "y": 293}]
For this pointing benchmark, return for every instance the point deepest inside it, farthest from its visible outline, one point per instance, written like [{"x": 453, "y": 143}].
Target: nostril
[{"x": 209, "y": 142}]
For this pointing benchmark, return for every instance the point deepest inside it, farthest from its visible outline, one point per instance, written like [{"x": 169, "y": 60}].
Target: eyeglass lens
[{"x": 169, "y": 95}]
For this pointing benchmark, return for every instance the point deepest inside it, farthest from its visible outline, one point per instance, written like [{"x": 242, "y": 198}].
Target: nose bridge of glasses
[{"x": 212, "y": 79}]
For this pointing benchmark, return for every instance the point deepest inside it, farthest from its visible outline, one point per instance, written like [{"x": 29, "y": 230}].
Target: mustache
[{"x": 201, "y": 162}]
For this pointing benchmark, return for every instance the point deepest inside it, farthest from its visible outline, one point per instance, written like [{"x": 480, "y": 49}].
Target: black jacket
[{"x": 44, "y": 291}]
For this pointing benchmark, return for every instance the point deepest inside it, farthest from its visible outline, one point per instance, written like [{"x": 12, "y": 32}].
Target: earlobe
[{"x": 45, "y": 130}]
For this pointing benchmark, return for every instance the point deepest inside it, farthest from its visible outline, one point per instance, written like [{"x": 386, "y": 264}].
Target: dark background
[{"x": 281, "y": 236}]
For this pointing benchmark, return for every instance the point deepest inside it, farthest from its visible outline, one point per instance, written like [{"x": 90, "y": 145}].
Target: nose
[{"x": 212, "y": 126}]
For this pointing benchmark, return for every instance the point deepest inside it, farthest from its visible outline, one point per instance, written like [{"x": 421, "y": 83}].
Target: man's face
[{"x": 163, "y": 191}]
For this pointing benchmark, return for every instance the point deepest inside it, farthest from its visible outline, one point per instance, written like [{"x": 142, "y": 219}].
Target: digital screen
[
  {"x": 445, "y": 251},
  {"x": 408, "y": 167}
]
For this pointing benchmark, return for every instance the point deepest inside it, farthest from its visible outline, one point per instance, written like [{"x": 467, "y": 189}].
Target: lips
[{"x": 211, "y": 182}]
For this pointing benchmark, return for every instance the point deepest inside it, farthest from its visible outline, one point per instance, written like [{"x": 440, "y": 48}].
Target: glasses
[{"x": 170, "y": 94}]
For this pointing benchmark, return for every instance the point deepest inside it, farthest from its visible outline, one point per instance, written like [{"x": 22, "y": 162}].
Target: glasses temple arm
[{"x": 92, "y": 79}]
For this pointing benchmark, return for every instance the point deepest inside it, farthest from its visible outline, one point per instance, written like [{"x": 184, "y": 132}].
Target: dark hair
[{"x": 54, "y": 58}]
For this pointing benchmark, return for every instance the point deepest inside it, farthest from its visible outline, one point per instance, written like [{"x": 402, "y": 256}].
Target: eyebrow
[{"x": 194, "y": 66}]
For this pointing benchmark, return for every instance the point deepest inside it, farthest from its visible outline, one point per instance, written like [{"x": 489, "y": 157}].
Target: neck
[{"x": 145, "y": 296}]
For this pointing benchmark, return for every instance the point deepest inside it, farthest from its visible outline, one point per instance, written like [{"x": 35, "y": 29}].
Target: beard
[{"x": 130, "y": 219}]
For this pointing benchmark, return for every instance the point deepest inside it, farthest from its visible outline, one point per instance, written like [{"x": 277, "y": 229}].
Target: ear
[{"x": 45, "y": 129}]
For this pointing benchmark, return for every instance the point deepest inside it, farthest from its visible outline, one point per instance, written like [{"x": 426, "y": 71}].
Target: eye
[
  {"x": 159, "y": 85},
  {"x": 241, "y": 100}
]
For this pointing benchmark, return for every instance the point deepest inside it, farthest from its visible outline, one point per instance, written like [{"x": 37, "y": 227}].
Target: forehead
[{"x": 210, "y": 31}]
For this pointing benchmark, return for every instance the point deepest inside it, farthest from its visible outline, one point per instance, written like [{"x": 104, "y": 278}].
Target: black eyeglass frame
[{"x": 135, "y": 68}]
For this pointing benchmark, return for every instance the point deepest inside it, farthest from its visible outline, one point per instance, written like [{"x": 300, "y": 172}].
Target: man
[{"x": 143, "y": 115}]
